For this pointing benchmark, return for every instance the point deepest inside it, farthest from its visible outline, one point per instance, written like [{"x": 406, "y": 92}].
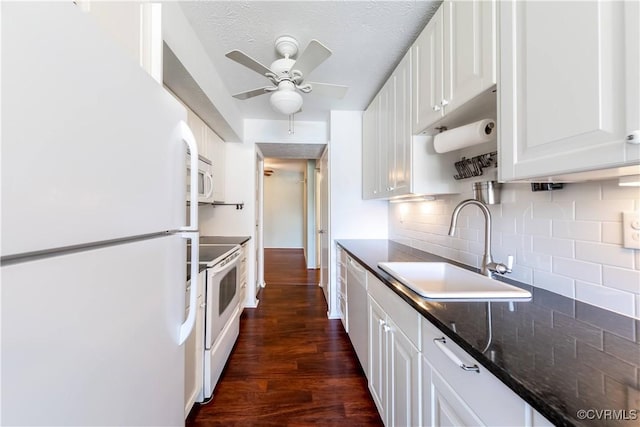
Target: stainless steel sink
[{"x": 443, "y": 281}]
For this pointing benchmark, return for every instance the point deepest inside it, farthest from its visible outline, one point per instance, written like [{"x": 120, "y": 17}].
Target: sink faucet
[{"x": 488, "y": 266}]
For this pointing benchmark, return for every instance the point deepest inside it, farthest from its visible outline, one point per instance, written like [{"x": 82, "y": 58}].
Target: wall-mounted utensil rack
[
  {"x": 468, "y": 168},
  {"x": 238, "y": 206}
]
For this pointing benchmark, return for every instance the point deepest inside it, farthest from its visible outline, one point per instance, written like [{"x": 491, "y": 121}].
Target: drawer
[
  {"x": 491, "y": 400},
  {"x": 402, "y": 314}
]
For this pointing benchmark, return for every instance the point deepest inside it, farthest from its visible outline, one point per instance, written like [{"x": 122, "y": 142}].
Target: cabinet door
[
  {"x": 370, "y": 151},
  {"x": 568, "y": 78},
  {"x": 384, "y": 137},
  {"x": 404, "y": 380},
  {"x": 378, "y": 357},
  {"x": 446, "y": 407},
  {"x": 402, "y": 148},
  {"x": 216, "y": 150},
  {"x": 427, "y": 74},
  {"x": 469, "y": 50}
]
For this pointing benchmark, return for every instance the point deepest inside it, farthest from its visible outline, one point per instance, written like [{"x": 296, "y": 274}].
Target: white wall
[
  {"x": 567, "y": 241},
  {"x": 239, "y": 187},
  {"x": 350, "y": 217},
  {"x": 284, "y": 210}
]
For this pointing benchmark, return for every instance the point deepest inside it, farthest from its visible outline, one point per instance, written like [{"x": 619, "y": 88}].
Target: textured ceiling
[{"x": 368, "y": 39}]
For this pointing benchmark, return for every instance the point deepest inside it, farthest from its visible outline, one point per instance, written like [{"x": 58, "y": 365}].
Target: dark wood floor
[{"x": 291, "y": 365}]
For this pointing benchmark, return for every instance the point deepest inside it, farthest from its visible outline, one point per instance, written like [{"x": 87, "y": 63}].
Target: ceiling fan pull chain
[{"x": 291, "y": 128}]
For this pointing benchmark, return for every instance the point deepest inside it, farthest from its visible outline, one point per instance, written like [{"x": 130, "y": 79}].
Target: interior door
[{"x": 323, "y": 226}]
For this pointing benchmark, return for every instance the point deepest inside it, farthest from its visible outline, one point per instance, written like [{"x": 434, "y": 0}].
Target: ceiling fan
[{"x": 288, "y": 75}]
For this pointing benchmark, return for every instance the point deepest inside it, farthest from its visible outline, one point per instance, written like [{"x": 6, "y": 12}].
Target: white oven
[
  {"x": 222, "y": 296},
  {"x": 222, "y": 310},
  {"x": 205, "y": 180}
]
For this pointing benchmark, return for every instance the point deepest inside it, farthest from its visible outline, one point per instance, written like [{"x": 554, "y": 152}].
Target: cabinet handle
[
  {"x": 386, "y": 327},
  {"x": 355, "y": 266},
  {"x": 444, "y": 102},
  {"x": 440, "y": 343},
  {"x": 436, "y": 108},
  {"x": 381, "y": 322},
  {"x": 634, "y": 137}
]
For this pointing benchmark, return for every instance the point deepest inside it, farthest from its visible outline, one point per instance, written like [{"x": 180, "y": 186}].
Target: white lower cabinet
[
  {"x": 394, "y": 360},
  {"x": 414, "y": 374},
  {"x": 474, "y": 397}
]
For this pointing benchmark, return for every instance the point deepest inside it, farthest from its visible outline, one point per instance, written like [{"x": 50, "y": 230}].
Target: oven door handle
[
  {"x": 187, "y": 326},
  {"x": 230, "y": 263}
]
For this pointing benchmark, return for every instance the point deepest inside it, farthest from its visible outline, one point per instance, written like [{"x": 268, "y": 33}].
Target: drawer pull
[{"x": 441, "y": 344}]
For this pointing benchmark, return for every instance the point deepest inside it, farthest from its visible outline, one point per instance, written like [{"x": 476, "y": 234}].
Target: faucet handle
[{"x": 509, "y": 263}]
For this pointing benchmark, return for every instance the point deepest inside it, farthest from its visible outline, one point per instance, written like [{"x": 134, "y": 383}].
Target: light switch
[{"x": 631, "y": 229}]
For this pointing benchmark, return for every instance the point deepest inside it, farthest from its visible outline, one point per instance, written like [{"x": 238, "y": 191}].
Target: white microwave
[{"x": 205, "y": 180}]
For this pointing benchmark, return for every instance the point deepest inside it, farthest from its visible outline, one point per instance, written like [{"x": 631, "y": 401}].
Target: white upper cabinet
[
  {"x": 469, "y": 51},
  {"x": 400, "y": 175},
  {"x": 569, "y": 88},
  {"x": 394, "y": 162},
  {"x": 454, "y": 62},
  {"x": 428, "y": 62},
  {"x": 370, "y": 167},
  {"x": 216, "y": 152}
]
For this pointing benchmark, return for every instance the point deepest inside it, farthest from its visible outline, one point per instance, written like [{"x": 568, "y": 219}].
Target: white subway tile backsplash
[
  {"x": 612, "y": 191},
  {"x": 553, "y": 210},
  {"x": 611, "y": 299},
  {"x": 567, "y": 241},
  {"x": 604, "y": 254},
  {"x": 555, "y": 283},
  {"x": 596, "y": 210},
  {"x": 535, "y": 260},
  {"x": 621, "y": 278},
  {"x": 522, "y": 274},
  {"x": 505, "y": 225},
  {"x": 584, "y": 191},
  {"x": 537, "y": 227},
  {"x": 612, "y": 233},
  {"x": 554, "y": 247},
  {"x": 516, "y": 242},
  {"x": 588, "y": 271},
  {"x": 576, "y": 230}
]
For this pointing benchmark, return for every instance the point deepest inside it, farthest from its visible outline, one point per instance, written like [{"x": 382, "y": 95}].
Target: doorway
[{"x": 288, "y": 202}]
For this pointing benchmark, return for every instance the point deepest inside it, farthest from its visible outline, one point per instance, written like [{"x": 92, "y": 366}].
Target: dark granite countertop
[
  {"x": 560, "y": 355},
  {"x": 224, "y": 240}
]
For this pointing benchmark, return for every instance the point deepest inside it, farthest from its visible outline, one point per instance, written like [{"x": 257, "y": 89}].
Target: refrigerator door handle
[
  {"x": 190, "y": 140},
  {"x": 187, "y": 326}
]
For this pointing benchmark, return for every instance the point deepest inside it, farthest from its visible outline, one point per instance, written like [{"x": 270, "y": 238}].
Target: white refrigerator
[{"x": 93, "y": 228}]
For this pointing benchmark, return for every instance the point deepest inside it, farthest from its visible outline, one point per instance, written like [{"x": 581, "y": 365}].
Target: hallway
[{"x": 291, "y": 365}]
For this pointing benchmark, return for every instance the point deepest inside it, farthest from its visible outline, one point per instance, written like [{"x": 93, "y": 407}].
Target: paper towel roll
[{"x": 465, "y": 136}]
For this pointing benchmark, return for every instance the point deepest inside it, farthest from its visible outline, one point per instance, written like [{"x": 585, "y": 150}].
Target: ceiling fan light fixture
[{"x": 285, "y": 100}]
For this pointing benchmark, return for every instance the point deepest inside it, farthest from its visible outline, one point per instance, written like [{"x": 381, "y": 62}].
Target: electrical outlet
[{"x": 631, "y": 229}]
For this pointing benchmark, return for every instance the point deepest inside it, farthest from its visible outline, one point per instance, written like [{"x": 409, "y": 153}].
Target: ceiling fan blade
[
  {"x": 326, "y": 89},
  {"x": 314, "y": 54},
  {"x": 244, "y": 59},
  {"x": 253, "y": 92}
]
